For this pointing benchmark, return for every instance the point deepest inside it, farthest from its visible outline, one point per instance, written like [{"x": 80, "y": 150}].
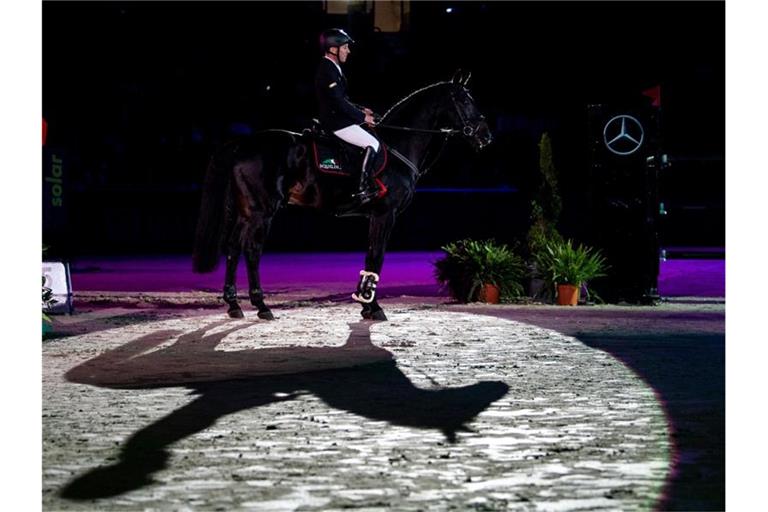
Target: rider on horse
[{"x": 340, "y": 115}]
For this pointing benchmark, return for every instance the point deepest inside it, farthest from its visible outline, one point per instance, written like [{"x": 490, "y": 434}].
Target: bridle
[{"x": 467, "y": 129}]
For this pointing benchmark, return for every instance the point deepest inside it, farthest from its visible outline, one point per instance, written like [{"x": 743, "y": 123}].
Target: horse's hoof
[
  {"x": 235, "y": 313},
  {"x": 374, "y": 315},
  {"x": 266, "y": 315},
  {"x": 379, "y": 315}
]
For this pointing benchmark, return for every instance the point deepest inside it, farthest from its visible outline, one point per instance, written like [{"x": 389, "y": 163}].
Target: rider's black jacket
[{"x": 335, "y": 109}]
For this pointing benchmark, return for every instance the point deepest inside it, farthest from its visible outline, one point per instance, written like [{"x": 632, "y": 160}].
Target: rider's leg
[
  {"x": 357, "y": 136},
  {"x": 367, "y": 189}
]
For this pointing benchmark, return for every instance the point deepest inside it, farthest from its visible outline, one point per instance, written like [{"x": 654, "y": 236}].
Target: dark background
[{"x": 137, "y": 94}]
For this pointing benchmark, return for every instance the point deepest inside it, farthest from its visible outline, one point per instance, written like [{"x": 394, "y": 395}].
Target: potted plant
[
  {"x": 480, "y": 270},
  {"x": 567, "y": 267},
  {"x": 546, "y": 206}
]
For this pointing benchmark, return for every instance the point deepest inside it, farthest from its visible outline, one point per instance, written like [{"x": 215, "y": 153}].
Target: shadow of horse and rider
[{"x": 357, "y": 377}]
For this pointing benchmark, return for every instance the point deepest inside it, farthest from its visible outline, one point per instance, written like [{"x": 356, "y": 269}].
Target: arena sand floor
[{"x": 154, "y": 399}]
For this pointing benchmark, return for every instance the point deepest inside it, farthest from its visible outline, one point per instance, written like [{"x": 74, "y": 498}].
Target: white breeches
[{"x": 357, "y": 137}]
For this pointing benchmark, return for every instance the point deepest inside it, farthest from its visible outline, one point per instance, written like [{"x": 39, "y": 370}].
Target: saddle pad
[{"x": 330, "y": 160}]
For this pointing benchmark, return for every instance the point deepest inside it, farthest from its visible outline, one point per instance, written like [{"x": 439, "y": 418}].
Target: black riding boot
[{"x": 368, "y": 189}]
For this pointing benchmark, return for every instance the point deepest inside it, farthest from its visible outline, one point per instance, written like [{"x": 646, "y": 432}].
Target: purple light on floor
[
  {"x": 278, "y": 271},
  {"x": 325, "y": 271}
]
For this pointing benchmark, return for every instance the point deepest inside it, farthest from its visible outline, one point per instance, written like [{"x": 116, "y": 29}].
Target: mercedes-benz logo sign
[{"x": 623, "y": 135}]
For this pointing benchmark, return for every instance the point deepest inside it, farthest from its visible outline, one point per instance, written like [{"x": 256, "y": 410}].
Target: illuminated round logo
[{"x": 623, "y": 135}]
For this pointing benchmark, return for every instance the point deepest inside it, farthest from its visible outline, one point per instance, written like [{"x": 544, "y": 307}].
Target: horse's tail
[{"x": 213, "y": 212}]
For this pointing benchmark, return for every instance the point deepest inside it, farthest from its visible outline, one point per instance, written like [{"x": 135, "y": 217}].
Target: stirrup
[
  {"x": 366, "y": 288},
  {"x": 366, "y": 195}
]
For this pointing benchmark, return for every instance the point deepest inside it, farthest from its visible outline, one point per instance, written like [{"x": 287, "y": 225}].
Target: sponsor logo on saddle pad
[{"x": 330, "y": 163}]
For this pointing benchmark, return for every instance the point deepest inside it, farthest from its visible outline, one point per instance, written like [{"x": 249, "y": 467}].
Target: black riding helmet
[{"x": 334, "y": 37}]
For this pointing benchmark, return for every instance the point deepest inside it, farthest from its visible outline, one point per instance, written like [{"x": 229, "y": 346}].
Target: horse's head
[{"x": 464, "y": 113}]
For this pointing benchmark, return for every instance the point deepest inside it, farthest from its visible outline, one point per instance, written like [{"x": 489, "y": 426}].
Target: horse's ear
[{"x": 461, "y": 77}]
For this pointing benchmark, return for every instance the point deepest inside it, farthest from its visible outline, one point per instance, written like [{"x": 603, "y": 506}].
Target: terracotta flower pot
[
  {"x": 567, "y": 295},
  {"x": 489, "y": 293}
]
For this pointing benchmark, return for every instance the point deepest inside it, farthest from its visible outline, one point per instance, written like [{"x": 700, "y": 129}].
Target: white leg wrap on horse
[{"x": 366, "y": 287}]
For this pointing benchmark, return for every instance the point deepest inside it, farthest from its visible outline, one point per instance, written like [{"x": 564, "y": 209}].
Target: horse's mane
[{"x": 398, "y": 106}]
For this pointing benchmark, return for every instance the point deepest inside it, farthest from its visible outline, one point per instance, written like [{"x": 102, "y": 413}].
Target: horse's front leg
[
  {"x": 379, "y": 229},
  {"x": 253, "y": 250}
]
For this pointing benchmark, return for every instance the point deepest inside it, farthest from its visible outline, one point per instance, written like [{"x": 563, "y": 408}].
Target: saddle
[{"x": 332, "y": 156}]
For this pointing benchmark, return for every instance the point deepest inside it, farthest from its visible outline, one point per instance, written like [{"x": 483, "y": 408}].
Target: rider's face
[{"x": 344, "y": 51}]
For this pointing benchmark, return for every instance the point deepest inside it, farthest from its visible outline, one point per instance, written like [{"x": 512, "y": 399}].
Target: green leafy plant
[
  {"x": 547, "y": 203},
  {"x": 546, "y": 206},
  {"x": 540, "y": 234},
  {"x": 560, "y": 262},
  {"x": 469, "y": 264}
]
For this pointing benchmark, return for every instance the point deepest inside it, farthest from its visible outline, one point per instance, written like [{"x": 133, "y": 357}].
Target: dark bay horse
[{"x": 248, "y": 180}]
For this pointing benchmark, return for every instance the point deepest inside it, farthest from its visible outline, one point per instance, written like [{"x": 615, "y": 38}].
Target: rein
[
  {"x": 467, "y": 130},
  {"x": 443, "y": 131},
  {"x": 420, "y": 169},
  {"x": 413, "y": 167}
]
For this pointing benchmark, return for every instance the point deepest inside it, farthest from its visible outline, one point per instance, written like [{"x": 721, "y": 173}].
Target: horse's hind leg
[
  {"x": 230, "y": 289},
  {"x": 253, "y": 253}
]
